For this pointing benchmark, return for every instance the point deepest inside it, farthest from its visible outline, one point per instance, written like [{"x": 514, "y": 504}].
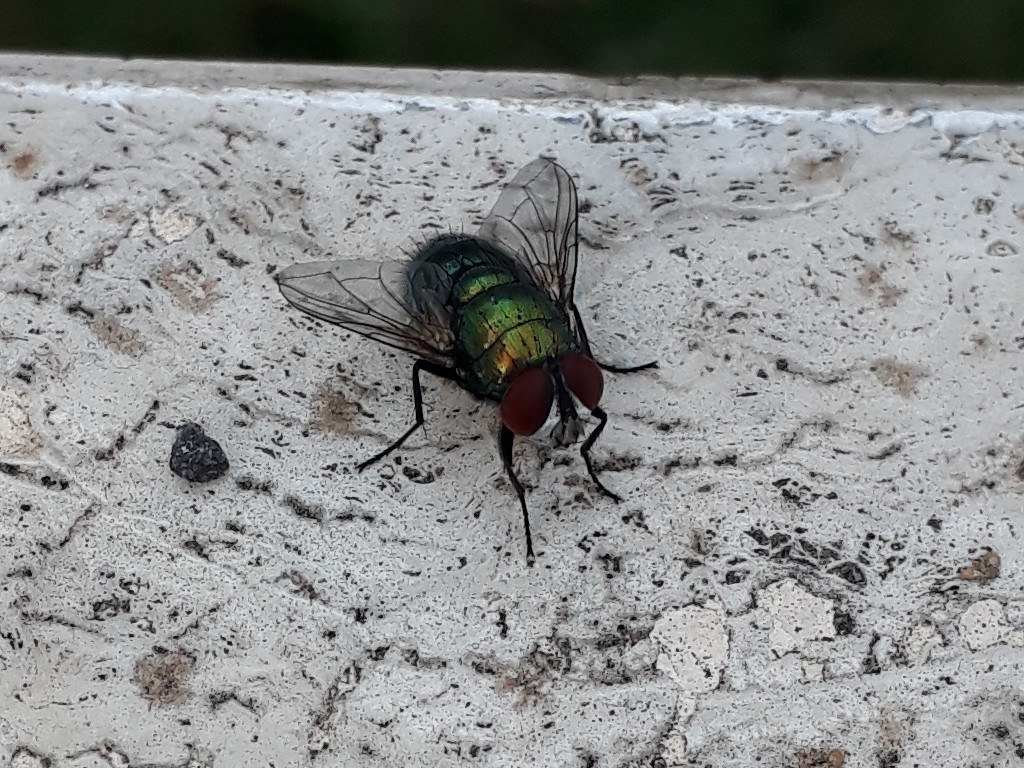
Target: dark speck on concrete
[{"x": 195, "y": 456}]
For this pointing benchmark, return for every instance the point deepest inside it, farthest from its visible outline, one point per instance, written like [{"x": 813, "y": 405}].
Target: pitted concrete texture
[{"x": 817, "y": 561}]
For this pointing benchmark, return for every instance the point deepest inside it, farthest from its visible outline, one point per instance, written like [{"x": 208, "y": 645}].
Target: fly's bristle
[{"x": 418, "y": 243}]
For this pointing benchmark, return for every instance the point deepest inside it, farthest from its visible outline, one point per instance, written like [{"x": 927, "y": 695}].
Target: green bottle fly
[{"x": 493, "y": 312}]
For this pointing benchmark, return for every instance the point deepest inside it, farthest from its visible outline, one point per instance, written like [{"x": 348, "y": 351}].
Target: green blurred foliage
[{"x": 909, "y": 39}]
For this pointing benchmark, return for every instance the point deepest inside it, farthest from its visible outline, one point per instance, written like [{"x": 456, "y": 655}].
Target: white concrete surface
[{"x": 831, "y": 276}]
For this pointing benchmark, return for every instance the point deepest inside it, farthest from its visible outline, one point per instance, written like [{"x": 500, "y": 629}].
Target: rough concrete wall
[{"x": 818, "y": 558}]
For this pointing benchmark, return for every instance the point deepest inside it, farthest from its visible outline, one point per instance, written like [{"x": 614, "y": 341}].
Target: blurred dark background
[{"x": 935, "y": 40}]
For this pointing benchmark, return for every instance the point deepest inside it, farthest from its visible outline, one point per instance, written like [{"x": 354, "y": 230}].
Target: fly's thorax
[{"x": 451, "y": 269}]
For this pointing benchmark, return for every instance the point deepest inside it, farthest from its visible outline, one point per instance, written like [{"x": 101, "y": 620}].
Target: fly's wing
[
  {"x": 534, "y": 221},
  {"x": 367, "y": 298}
]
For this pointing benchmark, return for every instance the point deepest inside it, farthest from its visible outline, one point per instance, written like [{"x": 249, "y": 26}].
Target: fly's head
[{"x": 528, "y": 400}]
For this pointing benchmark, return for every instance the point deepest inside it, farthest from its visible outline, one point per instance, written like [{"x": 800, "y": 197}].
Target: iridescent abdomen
[
  {"x": 502, "y": 323},
  {"x": 506, "y": 329}
]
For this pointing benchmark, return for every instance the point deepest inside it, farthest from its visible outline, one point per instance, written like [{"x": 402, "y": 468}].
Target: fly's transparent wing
[
  {"x": 535, "y": 222},
  {"x": 367, "y": 298}
]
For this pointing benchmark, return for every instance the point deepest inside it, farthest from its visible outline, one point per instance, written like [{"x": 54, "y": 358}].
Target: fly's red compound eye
[
  {"x": 527, "y": 401},
  {"x": 583, "y": 378}
]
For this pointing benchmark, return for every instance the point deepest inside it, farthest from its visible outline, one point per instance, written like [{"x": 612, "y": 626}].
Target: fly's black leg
[
  {"x": 631, "y": 369},
  {"x": 602, "y": 418},
  {"x": 581, "y": 331},
  {"x": 417, "y": 399},
  {"x": 505, "y": 442}
]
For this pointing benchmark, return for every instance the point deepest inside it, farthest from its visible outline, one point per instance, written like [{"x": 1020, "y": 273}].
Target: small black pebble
[{"x": 196, "y": 457}]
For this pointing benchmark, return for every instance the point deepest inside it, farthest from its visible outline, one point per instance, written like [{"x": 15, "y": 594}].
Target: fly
[{"x": 492, "y": 312}]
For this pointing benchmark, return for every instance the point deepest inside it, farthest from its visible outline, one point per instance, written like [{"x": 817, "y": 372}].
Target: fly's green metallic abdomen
[
  {"x": 501, "y": 322},
  {"x": 505, "y": 330}
]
